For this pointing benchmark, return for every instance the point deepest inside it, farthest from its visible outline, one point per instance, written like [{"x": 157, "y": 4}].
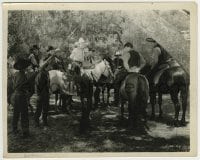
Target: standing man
[
  {"x": 42, "y": 85},
  {"x": 20, "y": 97},
  {"x": 34, "y": 57}
]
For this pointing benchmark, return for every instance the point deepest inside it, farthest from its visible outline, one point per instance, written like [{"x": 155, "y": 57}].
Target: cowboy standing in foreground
[{"x": 20, "y": 97}]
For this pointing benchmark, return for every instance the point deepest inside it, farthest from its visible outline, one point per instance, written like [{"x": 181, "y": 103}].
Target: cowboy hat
[
  {"x": 21, "y": 64},
  {"x": 150, "y": 40},
  {"x": 81, "y": 40},
  {"x": 50, "y": 48},
  {"x": 118, "y": 53},
  {"x": 35, "y": 47}
]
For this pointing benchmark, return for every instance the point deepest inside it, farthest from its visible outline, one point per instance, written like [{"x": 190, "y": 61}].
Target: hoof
[
  {"x": 176, "y": 123},
  {"x": 122, "y": 118},
  {"x": 182, "y": 123},
  {"x": 152, "y": 117},
  {"x": 160, "y": 116}
]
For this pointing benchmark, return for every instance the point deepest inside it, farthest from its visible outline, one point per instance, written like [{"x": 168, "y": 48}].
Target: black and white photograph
[{"x": 99, "y": 80}]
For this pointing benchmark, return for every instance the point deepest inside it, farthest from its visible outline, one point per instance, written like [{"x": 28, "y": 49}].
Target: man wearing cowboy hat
[
  {"x": 77, "y": 54},
  {"x": 159, "y": 57},
  {"x": 49, "y": 51},
  {"x": 20, "y": 97},
  {"x": 34, "y": 57}
]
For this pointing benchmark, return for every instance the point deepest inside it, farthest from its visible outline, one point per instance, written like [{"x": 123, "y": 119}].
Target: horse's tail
[{"x": 143, "y": 91}]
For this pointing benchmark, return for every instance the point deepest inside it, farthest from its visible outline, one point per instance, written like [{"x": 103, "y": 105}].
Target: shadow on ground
[{"x": 108, "y": 133}]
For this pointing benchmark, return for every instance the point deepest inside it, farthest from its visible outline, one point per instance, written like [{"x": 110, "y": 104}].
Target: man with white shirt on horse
[{"x": 132, "y": 62}]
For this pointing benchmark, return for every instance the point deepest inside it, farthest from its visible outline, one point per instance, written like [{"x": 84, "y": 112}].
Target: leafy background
[{"x": 62, "y": 29}]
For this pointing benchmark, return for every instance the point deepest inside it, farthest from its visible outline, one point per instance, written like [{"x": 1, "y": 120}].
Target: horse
[
  {"x": 104, "y": 83},
  {"x": 134, "y": 89},
  {"x": 172, "y": 80},
  {"x": 85, "y": 80},
  {"x": 61, "y": 83}
]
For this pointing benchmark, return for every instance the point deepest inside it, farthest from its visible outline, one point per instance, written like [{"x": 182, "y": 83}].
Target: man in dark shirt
[
  {"x": 20, "y": 97},
  {"x": 159, "y": 58}
]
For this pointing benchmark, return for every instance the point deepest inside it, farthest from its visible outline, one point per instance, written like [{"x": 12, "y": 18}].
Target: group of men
[{"x": 127, "y": 60}]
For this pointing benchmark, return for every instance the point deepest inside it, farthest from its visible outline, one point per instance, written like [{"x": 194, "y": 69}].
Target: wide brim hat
[
  {"x": 21, "y": 64},
  {"x": 150, "y": 40},
  {"x": 82, "y": 42},
  {"x": 35, "y": 47},
  {"x": 118, "y": 54},
  {"x": 50, "y": 48}
]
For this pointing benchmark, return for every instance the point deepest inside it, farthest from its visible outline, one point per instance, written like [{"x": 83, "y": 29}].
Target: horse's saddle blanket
[
  {"x": 87, "y": 65},
  {"x": 169, "y": 64}
]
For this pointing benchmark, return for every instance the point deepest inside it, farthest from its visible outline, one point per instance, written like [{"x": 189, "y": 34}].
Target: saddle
[
  {"x": 87, "y": 65},
  {"x": 168, "y": 64}
]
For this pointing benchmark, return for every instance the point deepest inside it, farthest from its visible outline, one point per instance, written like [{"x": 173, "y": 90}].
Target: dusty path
[{"x": 108, "y": 133}]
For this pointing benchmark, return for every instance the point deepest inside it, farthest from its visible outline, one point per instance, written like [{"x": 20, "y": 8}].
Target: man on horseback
[
  {"x": 77, "y": 54},
  {"x": 132, "y": 62},
  {"x": 159, "y": 61}
]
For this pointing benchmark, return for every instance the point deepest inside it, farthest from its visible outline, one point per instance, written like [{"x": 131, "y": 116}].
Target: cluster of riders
[{"x": 133, "y": 80}]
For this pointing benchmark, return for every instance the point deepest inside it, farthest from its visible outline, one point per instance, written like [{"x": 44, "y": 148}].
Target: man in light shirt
[
  {"x": 77, "y": 54},
  {"x": 132, "y": 62}
]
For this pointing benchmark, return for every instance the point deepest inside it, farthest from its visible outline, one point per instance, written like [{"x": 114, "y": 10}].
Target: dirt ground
[{"x": 107, "y": 133}]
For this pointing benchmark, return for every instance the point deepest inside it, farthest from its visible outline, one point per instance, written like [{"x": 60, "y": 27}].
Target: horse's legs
[
  {"x": 56, "y": 100},
  {"x": 89, "y": 107},
  {"x": 174, "y": 97},
  {"x": 102, "y": 91},
  {"x": 122, "y": 109},
  {"x": 160, "y": 104},
  {"x": 108, "y": 95},
  {"x": 184, "y": 96},
  {"x": 153, "y": 102},
  {"x": 96, "y": 96},
  {"x": 83, "y": 116}
]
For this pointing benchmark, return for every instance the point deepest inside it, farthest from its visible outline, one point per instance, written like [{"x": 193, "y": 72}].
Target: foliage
[{"x": 105, "y": 30}]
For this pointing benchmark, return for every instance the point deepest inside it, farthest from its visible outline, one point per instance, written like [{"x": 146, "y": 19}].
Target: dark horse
[
  {"x": 173, "y": 80},
  {"x": 85, "y": 80},
  {"x": 135, "y": 90}
]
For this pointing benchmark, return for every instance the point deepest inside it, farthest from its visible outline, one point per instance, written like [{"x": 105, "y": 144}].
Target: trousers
[{"x": 20, "y": 111}]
